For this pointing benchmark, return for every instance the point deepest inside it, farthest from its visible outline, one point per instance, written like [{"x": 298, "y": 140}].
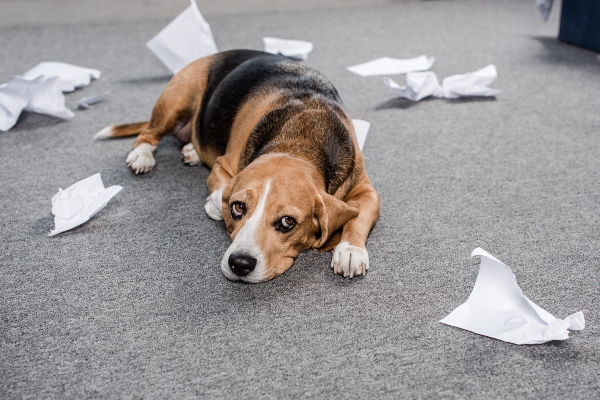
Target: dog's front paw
[
  {"x": 349, "y": 260},
  {"x": 190, "y": 155},
  {"x": 140, "y": 159},
  {"x": 214, "y": 204}
]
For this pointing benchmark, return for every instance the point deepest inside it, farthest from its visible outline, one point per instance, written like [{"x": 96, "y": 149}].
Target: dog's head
[{"x": 273, "y": 210}]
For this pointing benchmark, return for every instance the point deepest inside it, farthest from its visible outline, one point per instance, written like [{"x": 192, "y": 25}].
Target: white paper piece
[
  {"x": 42, "y": 95},
  {"x": 80, "y": 202},
  {"x": 361, "y": 128},
  {"x": 89, "y": 101},
  {"x": 544, "y": 6},
  {"x": 71, "y": 76},
  {"x": 498, "y": 308},
  {"x": 187, "y": 38},
  {"x": 424, "y": 84},
  {"x": 392, "y": 66},
  {"x": 296, "y": 49}
]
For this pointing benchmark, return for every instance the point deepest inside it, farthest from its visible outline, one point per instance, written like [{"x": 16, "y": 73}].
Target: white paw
[
  {"x": 190, "y": 156},
  {"x": 141, "y": 160},
  {"x": 214, "y": 205},
  {"x": 349, "y": 260}
]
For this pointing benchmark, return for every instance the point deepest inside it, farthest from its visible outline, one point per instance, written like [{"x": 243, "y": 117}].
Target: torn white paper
[
  {"x": 80, "y": 202},
  {"x": 544, "y": 6},
  {"x": 392, "y": 66},
  {"x": 187, "y": 38},
  {"x": 42, "y": 95},
  {"x": 71, "y": 76},
  {"x": 424, "y": 84},
  {"x": 498, "y": 308},
  {"x": 296, "y": 49},
  {"x": 89, "y": 101},
  {"x": 361, "y": 128}
]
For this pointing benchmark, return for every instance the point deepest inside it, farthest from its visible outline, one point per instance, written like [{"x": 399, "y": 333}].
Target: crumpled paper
[
  {"x": 420, "y": 85},
  {"x": 498, "y": 308},
  {"x": 392, "y": 66},
  {"x": 79, "y": 202},
  {"x": 544, "y": 6},
  {"x": 71, "y": 76},
  {"x": 89, "y": 101},
  {"x": 296, "y": 49},
  {"x": 187, "y": 38},
  {"x": 42, "y": 95}
]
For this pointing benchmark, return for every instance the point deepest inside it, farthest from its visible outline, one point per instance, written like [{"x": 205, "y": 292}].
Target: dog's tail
[{"x": 115, "y": 131}]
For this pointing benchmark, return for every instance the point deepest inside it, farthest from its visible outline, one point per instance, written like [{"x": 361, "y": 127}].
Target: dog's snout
[{"x": 241, "y": 264}]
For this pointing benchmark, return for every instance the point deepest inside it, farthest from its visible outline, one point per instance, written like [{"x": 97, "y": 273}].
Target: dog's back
[{"x": 305, "y": 116}]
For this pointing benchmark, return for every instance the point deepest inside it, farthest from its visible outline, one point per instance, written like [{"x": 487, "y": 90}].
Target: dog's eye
[
  {"x": 285, "y": 224},
  {"x": 238, "y": 210}
]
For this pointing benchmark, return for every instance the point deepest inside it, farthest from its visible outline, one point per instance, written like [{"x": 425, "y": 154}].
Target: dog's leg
[
  {"x": 219, "y": 177},
  {"x": 190, "y": 155},
  {"x": 350, "y": 257}
]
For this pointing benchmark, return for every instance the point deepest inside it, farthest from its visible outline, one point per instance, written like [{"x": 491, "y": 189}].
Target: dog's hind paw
[
  {"x": 214, "y": 205},
  {"x": 140, "y": 159},
  {"x": 190, "y": 155},
  {"x": 349, "y": 260}
]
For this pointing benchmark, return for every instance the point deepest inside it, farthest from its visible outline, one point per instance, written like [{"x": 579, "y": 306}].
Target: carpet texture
[{"x": 133, "y": 304}]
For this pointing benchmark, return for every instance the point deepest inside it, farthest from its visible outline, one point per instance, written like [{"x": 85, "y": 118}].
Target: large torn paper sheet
[
  {"x": 392, "y": 66},
  {"x": 79, "y": 202},
  {"x": 420, "y": 85},
  {"x": 361, "y": 128},
  {"x": 187, "y": 38},
  {"x": 42, "y": 95},
  {"x": 498, "y": 308},
  {"x": 296, "y": 49},
  {"x": 71, "y": 76}
]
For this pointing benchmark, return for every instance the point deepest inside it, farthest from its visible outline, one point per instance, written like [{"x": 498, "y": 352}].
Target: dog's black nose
[{"x": 241, "y": 264}]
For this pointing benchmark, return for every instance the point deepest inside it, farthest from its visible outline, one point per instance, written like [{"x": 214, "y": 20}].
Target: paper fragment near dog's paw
[
  {"x": 80, "y": 202},
  {"x": 187, "y": 38},
  {"x": 498, "y": 308},
  {"x": 420, "y": 85},
  {"x": 296, "y": 49},
  {"x": 392, "y": 66}
]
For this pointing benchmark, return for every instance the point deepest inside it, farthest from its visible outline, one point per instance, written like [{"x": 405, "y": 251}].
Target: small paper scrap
[
  {"x": 392, "y": 66},
  {"x": 361, "y": 128},
  {"x": 544, "y": 6},
  {"x": 89, "y": 101},
  {"x": 42, "y": 95},
  {"x": 498, "y": 308},
  {"x": 80, "y": 202},
  {"x": 296, "y": 49},
  {"x": 424, "y": 84},
  {"x": 71, "y": 76},
  {"x": 187, "y": 38}
]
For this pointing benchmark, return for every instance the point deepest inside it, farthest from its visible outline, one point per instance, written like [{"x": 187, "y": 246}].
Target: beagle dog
[{"x": 286, "y": 171}]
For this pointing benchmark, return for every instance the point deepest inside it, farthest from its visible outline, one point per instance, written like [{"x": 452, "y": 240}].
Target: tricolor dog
[{"x": 286, "y": 171}]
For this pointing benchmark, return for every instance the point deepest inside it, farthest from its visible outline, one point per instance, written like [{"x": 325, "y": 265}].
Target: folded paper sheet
[
  {"x": 80, "y": 202},
  {"x": 187, "y": 38},
  {"x": 392, "y": 66},
  {"x": 424, "y": 84},
  {"x": 361, "y": 128},
  {"x": 544, "y": 6},
  {"x": 296, "y": 49},
  {"x": 89, "y": 101},
  {"x": 42, "y": 95},
  {"x": 498, "y": 308},
  {"x": 71, "y": 76}
]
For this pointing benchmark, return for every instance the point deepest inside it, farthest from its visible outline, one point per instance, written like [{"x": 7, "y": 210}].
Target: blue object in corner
[{"x": 580, "y": 23}]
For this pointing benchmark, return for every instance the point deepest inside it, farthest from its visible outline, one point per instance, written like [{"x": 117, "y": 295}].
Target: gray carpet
[{"x": 133, "y": 304}]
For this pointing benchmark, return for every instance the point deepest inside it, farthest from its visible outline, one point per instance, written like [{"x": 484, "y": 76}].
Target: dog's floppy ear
[{"x": 330, "y": 214}]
